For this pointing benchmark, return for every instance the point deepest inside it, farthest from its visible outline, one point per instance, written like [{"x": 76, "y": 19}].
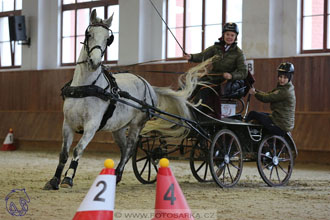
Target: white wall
[
  {"x": 30, "y": 53},
  {"x": 42, "y": 27},
  {"x": 128, "y": 31},
  {"x": 270, "y": 30},
  {"x": 150, "y": 31},
  {"x": 48, "y": 35},
  {"x": 291, "y": 28},
  {"x": 140, "y": 34}
]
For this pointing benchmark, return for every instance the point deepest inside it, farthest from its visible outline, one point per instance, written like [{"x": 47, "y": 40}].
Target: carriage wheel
[
  {"x": 145, "y": 159},
  {"x": 199, "y": 163},
  {"x": 275, "y": 161},
  {"x": 226, "y": 158}
]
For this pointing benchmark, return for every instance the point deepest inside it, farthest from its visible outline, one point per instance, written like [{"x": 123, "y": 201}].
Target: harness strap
[
  {"x": 96, "y": 91},
  {"x": 84, "y": 91},
  {"x": 111, "y": 80},
  {"x": 111, "y": 107}
]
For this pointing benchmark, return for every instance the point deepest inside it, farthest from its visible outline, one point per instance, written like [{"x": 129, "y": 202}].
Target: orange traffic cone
[
  {"x": 8, "y": 144},
  {"x": 99, "y": 203},
  {"x": 170, "y": 201}
]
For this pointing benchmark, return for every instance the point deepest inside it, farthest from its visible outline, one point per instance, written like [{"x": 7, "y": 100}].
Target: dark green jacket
[
  {"x": 282, "y": 101},
  {"x": 231, "y": 61}
]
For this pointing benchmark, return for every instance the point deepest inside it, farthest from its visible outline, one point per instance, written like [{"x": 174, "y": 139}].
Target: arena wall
[{"x": 31, "y": 103}]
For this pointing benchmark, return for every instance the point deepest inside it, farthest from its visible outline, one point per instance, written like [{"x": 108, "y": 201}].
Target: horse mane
[{"x": 177, "y": 102}]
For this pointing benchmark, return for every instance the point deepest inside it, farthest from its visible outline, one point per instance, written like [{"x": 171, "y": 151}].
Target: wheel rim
[
  {"x": 275, "y": 161},
  {"x": 199, "y": 164},
  {"x": 144, "y": 164},
  {"x": 226, "y": 159}
]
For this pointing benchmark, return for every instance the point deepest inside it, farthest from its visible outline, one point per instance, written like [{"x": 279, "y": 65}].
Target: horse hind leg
[
  {"x": 67, "y": 134},
  {"x": 88, "y": 135},
  {"x": 127, "y": 146},
  {"x": 119, "y": 137}
]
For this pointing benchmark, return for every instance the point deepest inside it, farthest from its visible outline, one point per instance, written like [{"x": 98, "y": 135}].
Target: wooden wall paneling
[
  {"x": 312, "y": 131},
  {"x": 320, "y": 81},
  {"x": 51, "y": 89},
  {"x": 30, "y": 101},
  {"x": 304, "y": 86}
]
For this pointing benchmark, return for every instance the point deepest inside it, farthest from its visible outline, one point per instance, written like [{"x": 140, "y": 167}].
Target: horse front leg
[
  {"x": 67, "y": 135},
  {"x": 88, "y": 135}
]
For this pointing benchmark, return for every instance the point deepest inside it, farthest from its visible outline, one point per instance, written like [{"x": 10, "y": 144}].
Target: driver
[
  {"x": 282, "y": 101},
  {"x": 228, "y": 64}
]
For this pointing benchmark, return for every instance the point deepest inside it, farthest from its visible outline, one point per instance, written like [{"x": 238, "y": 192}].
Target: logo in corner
[{"x": 17, "y": 202}]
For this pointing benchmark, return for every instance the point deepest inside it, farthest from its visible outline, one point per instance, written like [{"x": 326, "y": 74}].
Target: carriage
[
  {"x": 216, "y": 150},
  {"x": 122, "y": 104}
]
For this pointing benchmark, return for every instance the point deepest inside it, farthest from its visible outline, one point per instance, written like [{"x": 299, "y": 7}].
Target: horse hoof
[
  {"x": 118, "y": 179},
  {"x": 52, "y": 184},
  {"x": 67, "y": 182},
  {"x": 118, "y": 176}
]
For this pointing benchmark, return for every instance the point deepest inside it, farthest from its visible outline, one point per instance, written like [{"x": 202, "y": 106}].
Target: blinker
[{"x": 110, "y": 40}]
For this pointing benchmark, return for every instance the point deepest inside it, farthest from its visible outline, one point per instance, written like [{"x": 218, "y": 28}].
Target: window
[
  {"x": 10, "y": 51},
  {"x": 197, "y": 24},
  {"x": 75, "y": 20},
  {"x": 315, "y": 26}
]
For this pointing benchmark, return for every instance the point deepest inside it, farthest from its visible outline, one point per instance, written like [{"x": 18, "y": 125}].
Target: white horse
[{"x": 85, "y": 113}]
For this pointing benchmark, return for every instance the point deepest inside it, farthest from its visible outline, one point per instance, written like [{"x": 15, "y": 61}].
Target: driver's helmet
[
  {"x": 230, "y": 27},
  {"x": 286, "y": 69}
]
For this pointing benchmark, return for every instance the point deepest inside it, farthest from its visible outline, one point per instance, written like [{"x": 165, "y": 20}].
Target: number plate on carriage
[{"x": 228, "y": 109}]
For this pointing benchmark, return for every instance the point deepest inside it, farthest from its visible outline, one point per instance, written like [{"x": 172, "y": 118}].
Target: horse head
[{"x": 98, "y": 36}]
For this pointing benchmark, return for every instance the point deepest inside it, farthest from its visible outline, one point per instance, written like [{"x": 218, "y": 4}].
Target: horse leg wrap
[
  {"x": 60, "y": 167},
  {"x": 58, "y": 172},
  {"x": 73, "y": 166}
]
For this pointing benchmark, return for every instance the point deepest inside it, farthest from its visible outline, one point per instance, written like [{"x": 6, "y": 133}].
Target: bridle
[{"x": 87, "y": 36}]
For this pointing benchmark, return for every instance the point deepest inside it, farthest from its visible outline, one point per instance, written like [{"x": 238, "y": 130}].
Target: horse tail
[{"x": 176, "y": 102}]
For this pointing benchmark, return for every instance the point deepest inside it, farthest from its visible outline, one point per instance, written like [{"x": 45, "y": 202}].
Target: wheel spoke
[
  {"x": 144, "y": 166},
  {"x": 223, "y": 173},
  {"x": 271, "y": 172},
  {"x": 283, "y": 169},
  {"x": 220, "y": 170},
  {"x": 284, "y": 159},
  {"x": 151, "y": 146},
  {"x": 230, "y": 144},
  {"x": 267, "y": 144},
  {"x": 200, "y": 166},
  {"x": 149, "y": 170},
  {"x": 274, "y": 146},
  {"x": 142, "y": 158},
  {"x": 264, "y": 155},
  {"x": 231, "y": 163},
  {"x": 206, "y": 169},
  {"x": 278, "y": 176},
  {"x": 224, "y": 142},
  {"x": 265, "y": 166},
  {"x": 155, "y": 166},
  {"x": 205, "y": 173},
  {"x": 231, "y": 177},
  {"x": 283, "y": 146},
  {"x": 238, "y": 152}
]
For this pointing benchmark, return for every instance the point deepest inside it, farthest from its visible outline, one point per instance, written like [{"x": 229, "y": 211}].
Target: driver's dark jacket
[
  {"x": 231, "y": 61},
  {"x": 282, "y": 101}
]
